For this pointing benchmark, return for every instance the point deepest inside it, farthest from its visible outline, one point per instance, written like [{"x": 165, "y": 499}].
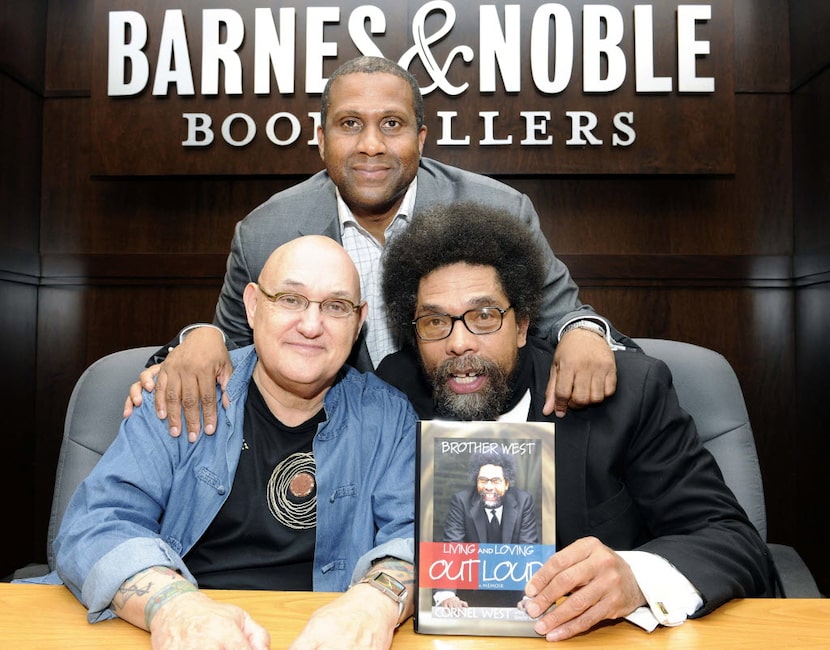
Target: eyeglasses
[
  {"x": 296, "y": 302},
  {"x": 495, "y": 481},
  {"x": 481, "y": 320}
]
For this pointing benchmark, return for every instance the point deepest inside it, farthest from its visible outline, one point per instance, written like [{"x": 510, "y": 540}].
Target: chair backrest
[
  {"x": 708, "y": 390},
  {"x": 92, "y": 421}
]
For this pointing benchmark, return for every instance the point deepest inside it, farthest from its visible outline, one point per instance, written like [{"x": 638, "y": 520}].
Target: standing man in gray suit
[{"x": 371, "y": 139}]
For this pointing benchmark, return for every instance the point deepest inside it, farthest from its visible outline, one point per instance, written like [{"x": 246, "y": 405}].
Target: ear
[
  {"x": 362, "y": 313},
  {"x": 250, "y": 297},
  {"x": 521, "y": 332},
  {"x": 321, "y": 143},
  {"x": 422, "y": 136}
]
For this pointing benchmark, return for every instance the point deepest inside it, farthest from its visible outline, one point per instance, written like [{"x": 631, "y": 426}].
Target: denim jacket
[{"x": 151, "y": 496}]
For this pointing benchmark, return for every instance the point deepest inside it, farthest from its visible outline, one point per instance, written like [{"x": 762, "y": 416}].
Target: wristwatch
[
  {"x": 390, "y": 586},
  {"x": 591, "y": 326}
]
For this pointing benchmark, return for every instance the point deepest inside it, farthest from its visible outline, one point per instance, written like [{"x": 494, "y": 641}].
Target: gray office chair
[
  {"x": 92, "y": 420},
  {"x": 708, "y": 390}
]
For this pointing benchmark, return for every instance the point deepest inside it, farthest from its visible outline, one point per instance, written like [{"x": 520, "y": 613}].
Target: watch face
[{"x": 387, "y": 582}]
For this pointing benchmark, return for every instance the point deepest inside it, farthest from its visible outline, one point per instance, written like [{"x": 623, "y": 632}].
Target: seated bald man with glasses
[{"x": 301, "y": 487}]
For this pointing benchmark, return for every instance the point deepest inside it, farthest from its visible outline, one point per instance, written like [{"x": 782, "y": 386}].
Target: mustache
[{"x": 470, "y": 365}]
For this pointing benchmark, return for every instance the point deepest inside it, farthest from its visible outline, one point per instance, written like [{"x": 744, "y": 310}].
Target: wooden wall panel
[
  {"x": 810, "y": 49},
  {"x": 745, "y": 214},
  {"x": 810, "y": 22},
  {"x": 69, "y": 48},
  {"x": 22, "y": 37},
  {"x": 762, "y": 49},
  {"x": 811, "y": 443}
]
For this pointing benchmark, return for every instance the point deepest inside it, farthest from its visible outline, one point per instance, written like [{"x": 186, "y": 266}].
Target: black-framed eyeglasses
[
  {"x": 480, "y": 320},
  {"x": 296, "y": 302}
]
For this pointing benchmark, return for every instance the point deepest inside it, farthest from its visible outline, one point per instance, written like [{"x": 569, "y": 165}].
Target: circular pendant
[{"x": 301, "y": 484}]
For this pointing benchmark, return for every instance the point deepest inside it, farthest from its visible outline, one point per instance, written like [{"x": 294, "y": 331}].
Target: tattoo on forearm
[
  {"x": 164, "y": 596},
  {"x": 398, "y": 569},
  {"x": 140, "y": 584}
]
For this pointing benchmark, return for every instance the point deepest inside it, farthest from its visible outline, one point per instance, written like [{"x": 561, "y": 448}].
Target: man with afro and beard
[{"x": 646, "y": 528}]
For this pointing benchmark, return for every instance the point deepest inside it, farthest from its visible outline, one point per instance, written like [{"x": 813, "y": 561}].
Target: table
[{"x": 47, "y": 616}]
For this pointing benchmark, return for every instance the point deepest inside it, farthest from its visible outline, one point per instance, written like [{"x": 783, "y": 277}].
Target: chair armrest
[{"x": 796, "y": 579}]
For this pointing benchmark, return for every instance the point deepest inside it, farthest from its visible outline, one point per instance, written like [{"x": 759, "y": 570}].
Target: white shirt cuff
[
  {"x": 670, "y": 596},
  {"x": 440, "y": 596}
]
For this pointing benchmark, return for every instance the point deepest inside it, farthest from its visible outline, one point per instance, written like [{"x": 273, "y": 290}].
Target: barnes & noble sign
[{"x": 234, "y": 87}]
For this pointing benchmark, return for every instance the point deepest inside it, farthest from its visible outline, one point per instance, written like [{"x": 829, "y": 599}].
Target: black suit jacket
[
  {"x": 467, "y": 519},
  {"x": 633, "y": 473}
]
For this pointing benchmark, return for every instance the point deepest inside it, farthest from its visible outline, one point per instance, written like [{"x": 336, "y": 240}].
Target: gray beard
[{"x": 485, "y": 404}]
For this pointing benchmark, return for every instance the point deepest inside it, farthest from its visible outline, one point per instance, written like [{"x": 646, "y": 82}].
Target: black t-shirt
[{"x": 264, "y": 535}]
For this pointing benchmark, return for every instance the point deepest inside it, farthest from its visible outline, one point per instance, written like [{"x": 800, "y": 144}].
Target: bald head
[{"x": 312, "y": 259}]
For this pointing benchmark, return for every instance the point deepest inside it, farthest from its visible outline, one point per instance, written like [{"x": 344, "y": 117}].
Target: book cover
[{"x": 485, "y": 522}]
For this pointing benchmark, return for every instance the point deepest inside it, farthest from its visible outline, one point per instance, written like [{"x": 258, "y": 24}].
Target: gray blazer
[{"x": 310, "y": 208}]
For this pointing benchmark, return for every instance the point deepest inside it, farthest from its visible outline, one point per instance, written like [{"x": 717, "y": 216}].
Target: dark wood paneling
[
  {"x": 811, "y": 171},
  {"x": 21, "y": 112},
  {"x": 811, "y": 448},
  {"x": 133, "y": 215},
  {"x": 810, "y": 47},
  {"x": 762, "y": 46},
  {"x": 22, "y": 39},
  {"x": 18, "y": 322},
  {"x": 69, "y": 48},
  {"x": 811, "y": 176}
]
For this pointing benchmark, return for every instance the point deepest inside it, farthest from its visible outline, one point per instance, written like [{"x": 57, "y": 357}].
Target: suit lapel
[
  {"x": 479, "y": 518},
  {"x": 571, "y": 444},
  {"x": 509, "y": 516}
]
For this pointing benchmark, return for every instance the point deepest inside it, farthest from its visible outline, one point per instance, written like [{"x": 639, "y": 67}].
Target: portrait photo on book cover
[{"x": 486, "y": 522}]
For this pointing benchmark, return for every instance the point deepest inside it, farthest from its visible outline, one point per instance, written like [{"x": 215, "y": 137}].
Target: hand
[
  {"x": 186, "y": 381},
  {"x": 362, "y": 618},
  {"x": 599, "y": 584},
  {"x": 454, "y": 602},
  {"x": 146, "y": 381},
  {"x": 195, "y": 621},
  {"x": 584, "y": 372}
]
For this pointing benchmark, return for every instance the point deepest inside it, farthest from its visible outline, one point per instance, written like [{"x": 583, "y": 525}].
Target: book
[{"x": 471, "y": 570}]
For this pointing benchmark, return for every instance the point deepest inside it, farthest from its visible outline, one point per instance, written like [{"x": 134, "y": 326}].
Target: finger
[
  {"x": 550, "y": 396},
  {"x": 161, "y": 395},
  {"x": 576, "y": 614},
  {"x": 208, "y": 398},
  {"x": 563, "y": 390},
  {"x": 135, "y": 397},
  {"x": 258, "y": 637},
  {"x": 148, "y": 376},
  {"x": 546, "y": 587},
  {"x": 584, "y": 384},
  {"x": 169, "y": 390},
  {"x": 191, "y": 396},
  {"x": 128, "y": 407},
  {"x": 610, "y": 386}
]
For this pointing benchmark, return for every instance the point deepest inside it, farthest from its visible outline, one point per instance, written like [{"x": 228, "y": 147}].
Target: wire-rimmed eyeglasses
[
  {"x": 296, "y": 302},
  {"x": 480, "y": 320}
]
